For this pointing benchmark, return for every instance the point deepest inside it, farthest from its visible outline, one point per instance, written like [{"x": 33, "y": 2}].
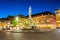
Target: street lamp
[{"x": 17, "y": 18}]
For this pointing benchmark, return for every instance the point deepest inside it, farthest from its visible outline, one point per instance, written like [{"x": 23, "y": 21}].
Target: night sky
[{"x": 16, "y": 7}]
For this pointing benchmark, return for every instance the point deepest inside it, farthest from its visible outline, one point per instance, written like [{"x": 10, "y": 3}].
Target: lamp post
[
  {"x": 9, "y": 24},
  {"x": 17, "y": 19}
]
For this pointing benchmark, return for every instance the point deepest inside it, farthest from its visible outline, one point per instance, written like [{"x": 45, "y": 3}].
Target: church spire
[
  {"x": 30, "y": 11},
  {"x": 30, "y": 18}
]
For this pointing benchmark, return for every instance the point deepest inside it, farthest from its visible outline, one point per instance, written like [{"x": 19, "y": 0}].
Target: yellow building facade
[
  {"x": 45, "y": 20},
  {"x": 57, "y": 17}
]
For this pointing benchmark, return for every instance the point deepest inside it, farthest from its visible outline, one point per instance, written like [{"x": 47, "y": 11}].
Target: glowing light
[
  {"x": 58, "y": 21},
  {"x": 17, "y": 18}
]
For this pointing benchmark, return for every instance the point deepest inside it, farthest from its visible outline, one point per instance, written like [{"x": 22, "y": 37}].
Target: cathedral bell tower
[{"x": 30, "y": 18}]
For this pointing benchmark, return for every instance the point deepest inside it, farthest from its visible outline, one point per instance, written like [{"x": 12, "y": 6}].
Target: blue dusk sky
[{"x": 16, "y": 7}]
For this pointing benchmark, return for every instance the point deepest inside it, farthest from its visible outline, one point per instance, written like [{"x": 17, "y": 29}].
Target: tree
[{"x": 14, "y": 23}]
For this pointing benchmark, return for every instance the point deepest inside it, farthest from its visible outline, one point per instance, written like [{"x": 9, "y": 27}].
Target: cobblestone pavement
[{"x": 53, "y": 35}]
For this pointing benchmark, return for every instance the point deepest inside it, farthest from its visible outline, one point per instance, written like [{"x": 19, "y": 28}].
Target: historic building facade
[
  {"x": 57, "y": 17},
  {"x": 44, "y": 20},
  {"x": 39, "y": 20}
]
